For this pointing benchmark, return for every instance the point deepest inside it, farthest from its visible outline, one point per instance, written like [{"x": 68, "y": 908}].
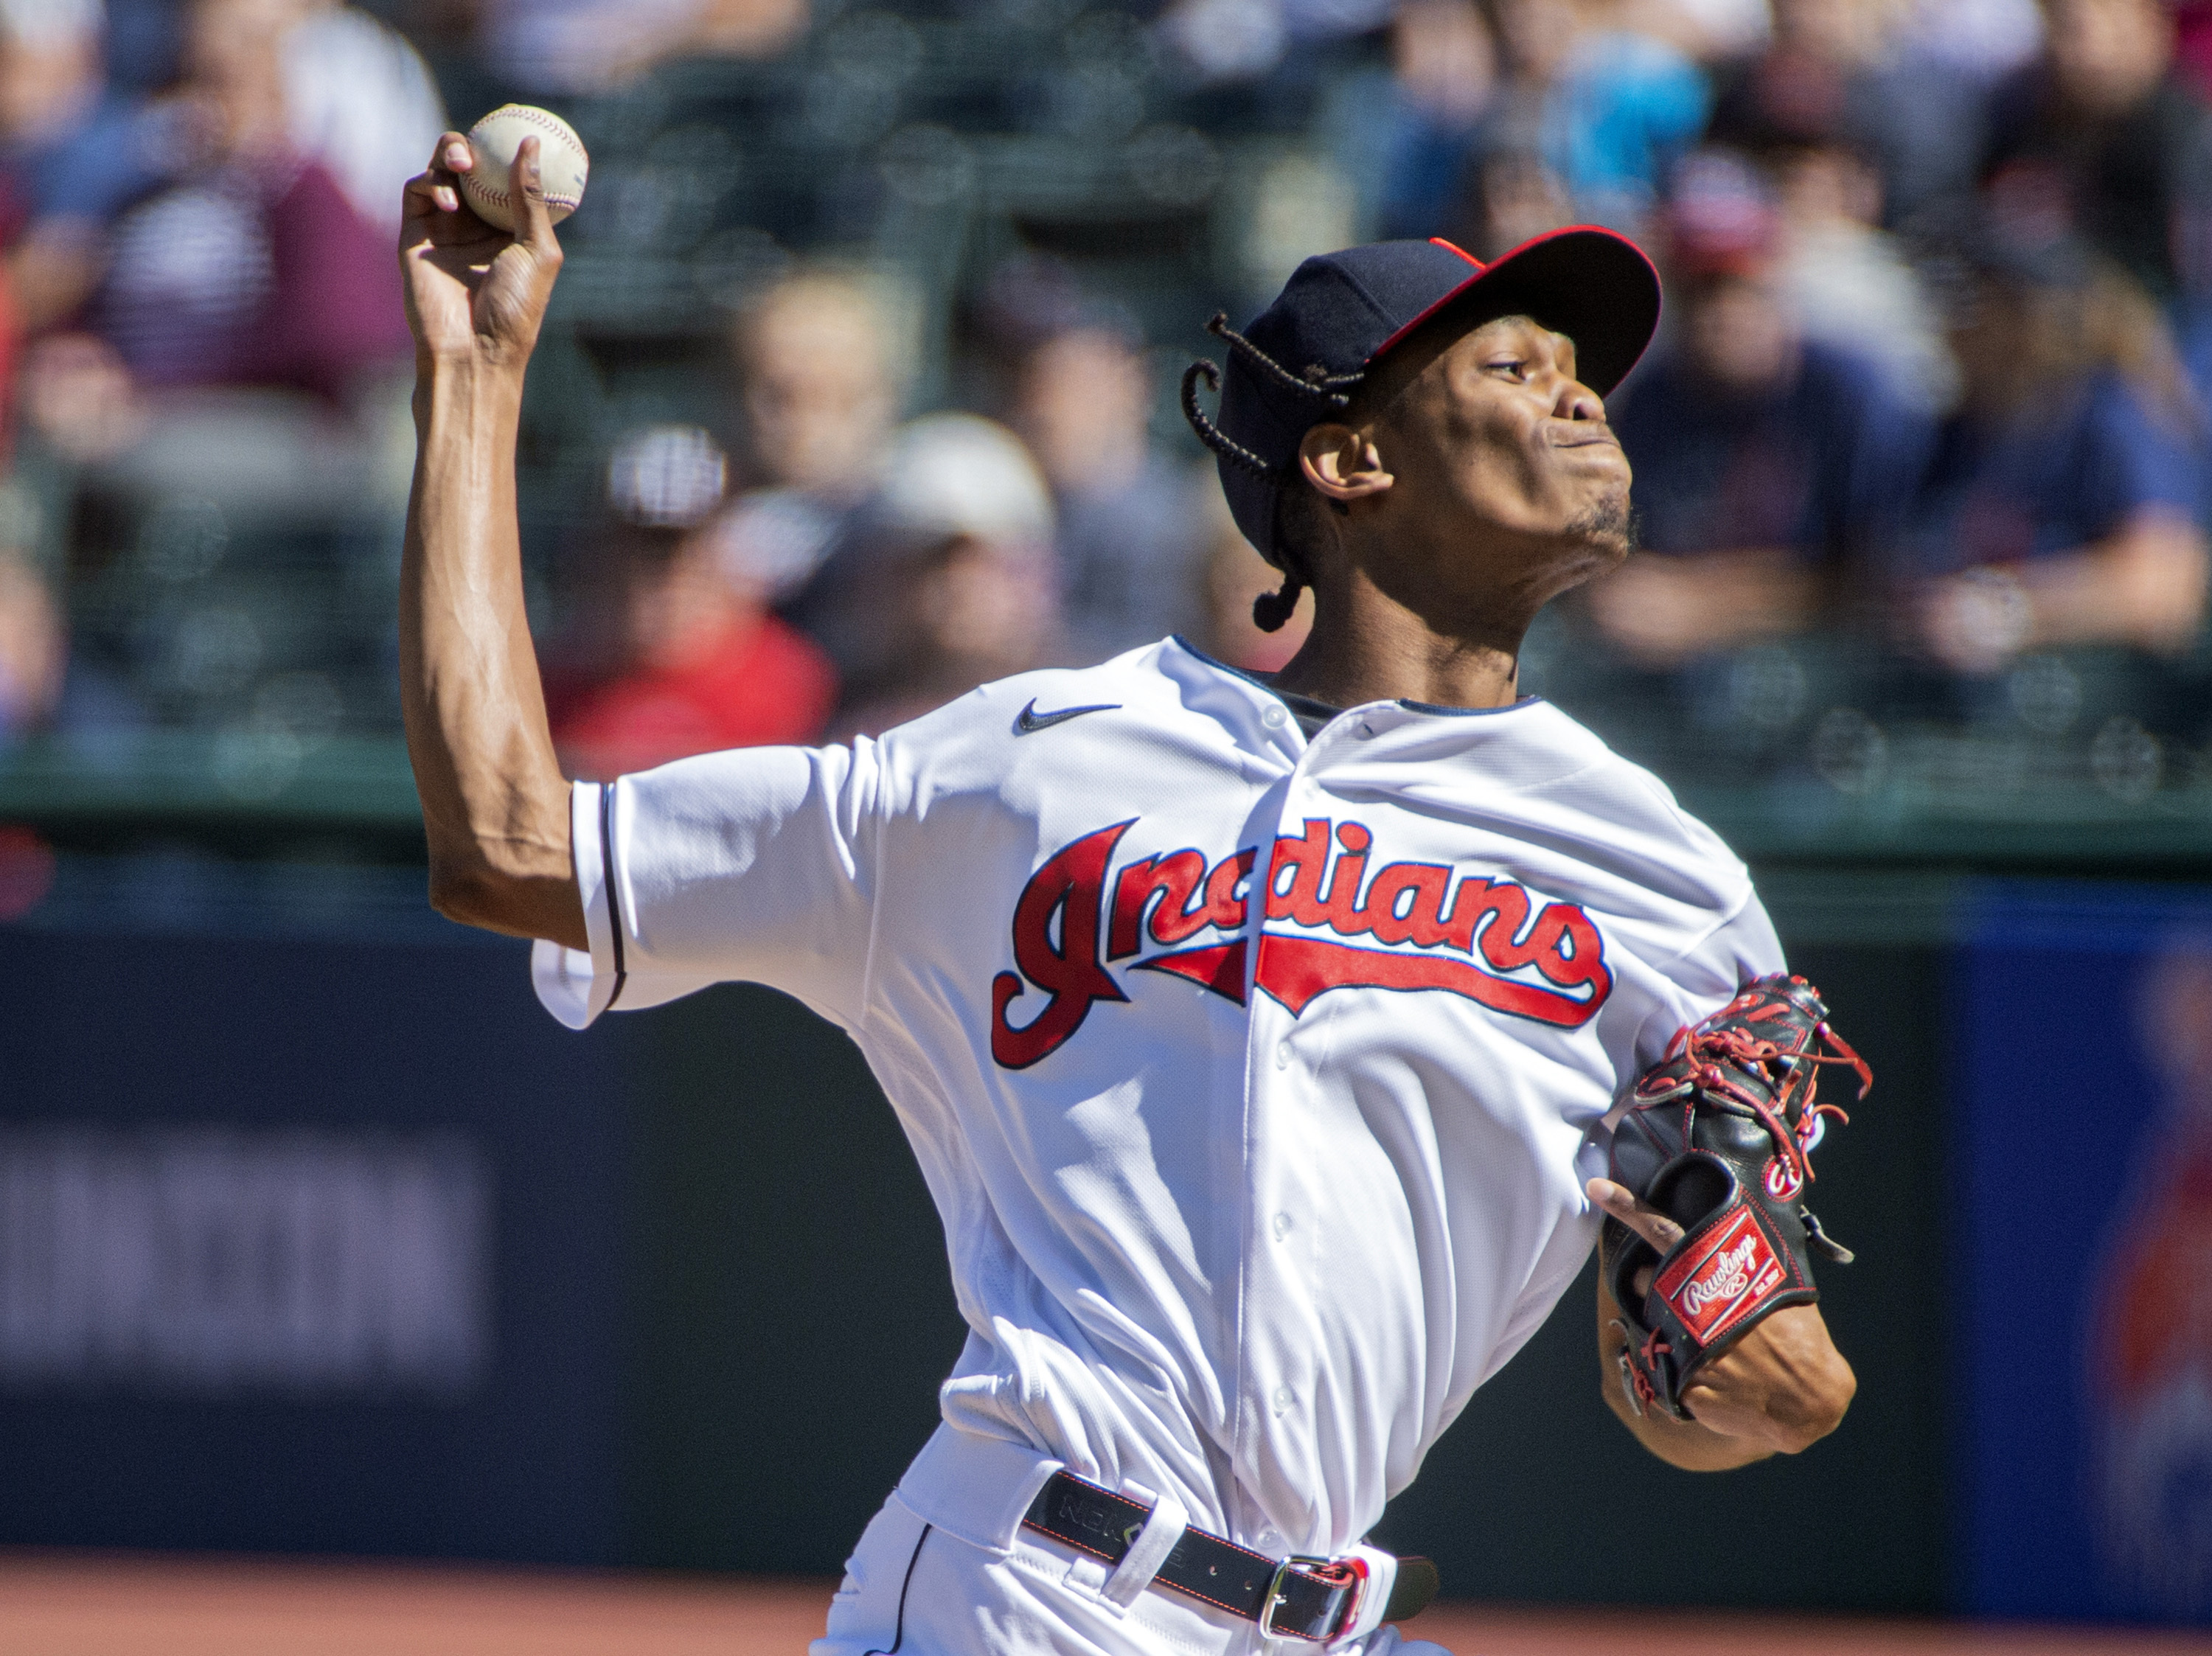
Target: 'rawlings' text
[{"x": 1719, "y": 1280}]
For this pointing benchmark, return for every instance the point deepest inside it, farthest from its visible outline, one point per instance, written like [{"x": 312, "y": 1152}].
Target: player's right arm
[{"x": 495, "y": 802}]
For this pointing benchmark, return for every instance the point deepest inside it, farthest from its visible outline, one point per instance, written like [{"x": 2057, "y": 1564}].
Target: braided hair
[{"x": 1271, "y": 611}]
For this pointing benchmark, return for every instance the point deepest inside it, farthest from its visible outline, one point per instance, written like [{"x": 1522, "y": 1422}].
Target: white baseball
[{"x": 562, "y": 163}]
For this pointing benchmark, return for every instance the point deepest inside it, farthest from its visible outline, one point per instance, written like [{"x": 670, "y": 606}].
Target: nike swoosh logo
[{"x": 1029, "y": 721}]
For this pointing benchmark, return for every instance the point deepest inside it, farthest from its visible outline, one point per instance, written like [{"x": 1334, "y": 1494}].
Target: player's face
[
  {"x": 1498, "y": 433},
  {"x": 1494, "y": 482}
]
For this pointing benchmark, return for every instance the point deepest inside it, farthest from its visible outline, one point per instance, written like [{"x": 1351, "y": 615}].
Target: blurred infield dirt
[{"x": 91, "y": 1605}]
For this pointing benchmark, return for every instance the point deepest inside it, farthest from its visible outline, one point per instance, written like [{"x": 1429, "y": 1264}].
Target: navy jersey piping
[
  {"x": 1289, "y": 698},
  {"x": 607, "y": 879},
  {"x": 1412, "y": 706},
  {"x": 898, "y": 1629}
]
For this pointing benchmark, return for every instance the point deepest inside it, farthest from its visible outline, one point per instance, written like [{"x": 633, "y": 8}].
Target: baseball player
[{"x": 1261, "y": 1042}]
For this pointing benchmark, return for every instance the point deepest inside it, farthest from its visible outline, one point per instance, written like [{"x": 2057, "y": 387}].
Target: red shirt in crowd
[{"x": 759, "y": 682}]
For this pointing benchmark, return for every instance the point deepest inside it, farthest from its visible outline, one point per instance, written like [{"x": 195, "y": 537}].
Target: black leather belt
[{"x": 1294, "y": 1597}]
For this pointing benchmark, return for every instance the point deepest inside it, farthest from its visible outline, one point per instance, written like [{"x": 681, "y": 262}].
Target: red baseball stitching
[{"x": 553, "y": 130}]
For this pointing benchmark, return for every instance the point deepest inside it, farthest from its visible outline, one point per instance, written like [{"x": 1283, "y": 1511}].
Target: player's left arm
[{"x": 1779, "y": 1389}]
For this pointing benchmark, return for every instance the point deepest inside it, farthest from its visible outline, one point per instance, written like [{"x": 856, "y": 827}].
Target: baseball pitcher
[{"x": 1274, "y": 1050}]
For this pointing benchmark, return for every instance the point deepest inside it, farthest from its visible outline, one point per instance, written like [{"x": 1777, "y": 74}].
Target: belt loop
[
  {"x": 1375, "y": 1594},
  {"x": 1148, "y": 1548}
]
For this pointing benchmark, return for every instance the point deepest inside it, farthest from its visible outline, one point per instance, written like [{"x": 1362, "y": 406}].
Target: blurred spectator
[
  {"x": 1127, "y": 539},
  {"x": 34, "y": 657},
  {"x": 252, "y": 269},
  {"x": 1508, "y": 197},
  {"x": 1766, "y": 463},
  {"x": 819, "y": 384},
  {"x": 142, "y": 45},
  {"x": 1607, "y": 107},
  {"x": 73, "y": 155},
  {"x": 1234, "y": 575},
  {"x": 2192, "y": 26},
  {"x": 51, "y": 80},
  {"x": 1851, "y": 286},
  {"x": 1837, "y": 71},
  {"x": 361, "y": 101},
  {"x": 2065, "y": 500},
  {"x": 820, "y": 380},
  {"x": 1981, "y": 40},
  {"x": 1224, "y": 40},
  {"x": 79, "y": 399},
  {"x": 2101, "y": 139},
  {"x": 1444, "y": 74},
  {"x": 1235, "y": 40},
  {"x": 948, "y": 583},
  {"x": 1710, "y": 31},
  {"x": 43, "y": 689},
  {"x": 674, "y": 652},
  {"x": 2193, "y": 332},
  {"x": 592, "y": 45}
]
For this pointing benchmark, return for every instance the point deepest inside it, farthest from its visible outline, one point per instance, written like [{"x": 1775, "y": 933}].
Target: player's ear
[{"x": 1342, "y": 465}]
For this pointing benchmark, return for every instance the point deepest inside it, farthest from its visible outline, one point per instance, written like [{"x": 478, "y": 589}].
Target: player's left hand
[{"x": 1782, "y": 1387}]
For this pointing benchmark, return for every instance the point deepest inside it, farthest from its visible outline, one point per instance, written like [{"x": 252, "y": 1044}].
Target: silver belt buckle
[{"x": 1277, "y": 1599}]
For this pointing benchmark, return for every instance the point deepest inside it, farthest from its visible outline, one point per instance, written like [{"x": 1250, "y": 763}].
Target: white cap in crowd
[{"x": 951, "y": 474}]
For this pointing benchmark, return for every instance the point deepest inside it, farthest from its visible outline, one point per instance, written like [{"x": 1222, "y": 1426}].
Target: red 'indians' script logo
[{"x": 1492, "y": 942}]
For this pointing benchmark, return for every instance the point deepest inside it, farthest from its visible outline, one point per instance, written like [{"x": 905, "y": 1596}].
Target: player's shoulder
[
  {"x": 1046, "y": 720},
  {"x": 1134, "y": 680},
  {"x": 1628, "y": 813},
  {"x": 1026, "y": 703}
]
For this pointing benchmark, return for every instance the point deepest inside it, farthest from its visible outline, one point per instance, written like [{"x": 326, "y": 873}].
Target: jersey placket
[{"x": 1286, "y": 1069}]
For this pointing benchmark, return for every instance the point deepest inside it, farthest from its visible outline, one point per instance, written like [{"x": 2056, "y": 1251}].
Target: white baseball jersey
[{"x": 1257, "y": 1078}]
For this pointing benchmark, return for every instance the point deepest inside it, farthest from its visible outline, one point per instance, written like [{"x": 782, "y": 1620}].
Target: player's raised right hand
[{"x": 473, "y": 292}]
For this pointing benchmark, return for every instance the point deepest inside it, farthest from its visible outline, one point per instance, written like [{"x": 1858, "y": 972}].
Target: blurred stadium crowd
[{"x": 860, "y": 388}]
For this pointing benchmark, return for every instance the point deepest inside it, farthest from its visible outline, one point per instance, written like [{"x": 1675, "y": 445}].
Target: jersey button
[
  {"x": 1282, "y": 1055},
  {"x": 1282, "y": 1226},
  {"x": 1273, "y": 717},
  {"x": 1283, "y": 1398}
]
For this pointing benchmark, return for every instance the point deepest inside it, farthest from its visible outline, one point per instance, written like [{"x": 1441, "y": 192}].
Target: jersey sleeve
[
  {"x": 756, "y": 865},
  {"x": 1706, "y": 976}
]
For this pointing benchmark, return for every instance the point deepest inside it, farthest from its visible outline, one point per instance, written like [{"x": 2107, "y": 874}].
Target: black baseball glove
[{"x": 1719, "y": 1137}]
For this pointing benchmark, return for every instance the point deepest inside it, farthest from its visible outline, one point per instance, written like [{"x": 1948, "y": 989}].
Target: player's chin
[{"x": 1604, "y": 526}]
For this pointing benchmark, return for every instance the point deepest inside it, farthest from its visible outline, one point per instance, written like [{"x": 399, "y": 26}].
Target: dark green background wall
[
  {"x": 790, "y": 1283},
  {"x": 794, "y": 1318}
]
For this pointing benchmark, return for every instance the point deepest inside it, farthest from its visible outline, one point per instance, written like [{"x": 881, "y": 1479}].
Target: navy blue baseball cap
[{"x": 1303, "y": 357}]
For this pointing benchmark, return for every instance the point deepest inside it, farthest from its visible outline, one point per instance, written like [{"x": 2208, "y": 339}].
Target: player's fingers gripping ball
[
  {"x": 562, "y": 165},
  {"x": 1719, "y": 1136}
]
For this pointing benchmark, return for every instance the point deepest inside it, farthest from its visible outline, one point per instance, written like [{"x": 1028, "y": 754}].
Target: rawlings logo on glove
[
  {"x": 1719, "y": 1137},
  {"x": 1734, "y": 1270}
]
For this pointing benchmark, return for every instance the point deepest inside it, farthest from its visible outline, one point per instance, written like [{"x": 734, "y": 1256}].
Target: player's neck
[{"x": 1366, "y": 647}]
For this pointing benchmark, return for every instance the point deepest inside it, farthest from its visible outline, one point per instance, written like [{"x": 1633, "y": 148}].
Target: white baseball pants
[{"x": 914, "y": 1590}]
